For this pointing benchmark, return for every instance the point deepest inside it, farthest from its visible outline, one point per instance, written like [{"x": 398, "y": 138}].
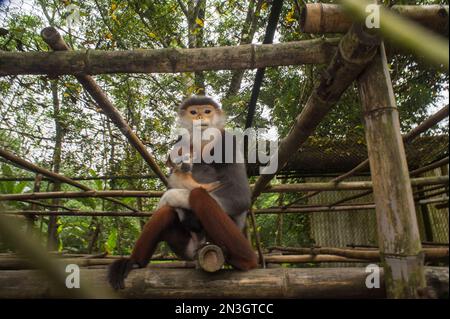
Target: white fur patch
[{"x": 175, "y": 197}]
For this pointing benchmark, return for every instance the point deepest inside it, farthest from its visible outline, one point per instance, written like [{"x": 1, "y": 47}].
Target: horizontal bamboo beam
[
  {"x": 374, "y": 255},
  {"x": 191, "y": 283},
  {"x": 12, "y": 263},
  {"x": 332, "y": 18},
  {"x": 327, "y": 186},
  {"x": 81, "y": 178},
  {"x": 273, "y": 210},
  {"x": 48, "y": 205},
  {"x": 40, "y": 170},
  {"x": 303, "y": 259},
  {"x": 407, "y": 138},
  {"x": 92, "y": 193},
  {"x": 427, "y": 124},
  {"x": 317, "y": 209},
  {"x": 284, "y": 188},
  {"x": 52, "y": 175},
  {"x": 416, "y": 172},
  {"x": 170, "y": 60},
  {"x": 76, "y": 213}
]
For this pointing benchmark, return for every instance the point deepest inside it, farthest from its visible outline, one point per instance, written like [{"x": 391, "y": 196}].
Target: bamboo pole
[
  {"x": 332, "y": 18},
  {"x": 304, "y": 210},
  {"x": 398, "y": 233},
  {"x": 412, "y": 173},
  {"x": 430, "y": 167},
  {"x": 49, "y": 205},
  {"x": 32, "y": 218},
  {"x": 77, "y": 213},
  {"x": 91, "y": 193},
  {"x": 52, "y": 175},
  {"x": 12, "y": 263},
  {"x": 56, "y": 42},
  {"x": 429, "y": 189},
  {"x": 254, "y": 284},
  {"x": 374, "y": 255},
  {"x": 427, "y": 124},
  {"x": 407, "y": 138},
  {"x": 428, "y": 229},
  {"x": 405, "y": 33},
  {"x": 322, "y": 258},
  {"x": 169, "y": 60},
  {"x": 356, "y": 50},
  {"x": 273, "y": 210},
  {"x": 83, "y": 178},
  {"x": 422, "y": 181},
  {"x": 331, "y": 186}
]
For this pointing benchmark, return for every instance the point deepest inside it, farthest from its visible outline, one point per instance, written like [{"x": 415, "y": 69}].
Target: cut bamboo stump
[
  {"x": 210, "y": 258},
  {"x": 332, "y": 18},
  {"x": 190, "y": 283}
]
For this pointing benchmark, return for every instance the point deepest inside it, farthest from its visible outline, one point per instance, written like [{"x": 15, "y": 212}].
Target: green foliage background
[{"x": 92, "y": 146}]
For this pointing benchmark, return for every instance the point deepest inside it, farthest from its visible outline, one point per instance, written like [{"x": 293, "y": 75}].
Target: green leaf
[
  {"x": 200, "y": 22},
  {"x": 111, "y": 243},
  {"x": 7, "y": 171},
  {"x": 98, "y": 184},
  {"x": 20, "y": 186}
]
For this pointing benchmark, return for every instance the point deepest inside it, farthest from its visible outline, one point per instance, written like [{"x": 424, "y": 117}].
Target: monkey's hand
[
  {"x": 211, "y": 187},
  {"x": 175, "y": 197},
  {"x": 118, "y": 271}
]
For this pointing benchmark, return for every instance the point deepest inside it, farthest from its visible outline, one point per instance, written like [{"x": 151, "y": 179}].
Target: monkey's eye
[
  {"x": 193, "y": 112},
  {"x": 207, "y": 111}
]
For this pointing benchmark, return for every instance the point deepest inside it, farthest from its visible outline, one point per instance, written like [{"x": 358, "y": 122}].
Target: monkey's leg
[
  {"x": 145, "y": 246},
  {"x": 222, "y": 230}
]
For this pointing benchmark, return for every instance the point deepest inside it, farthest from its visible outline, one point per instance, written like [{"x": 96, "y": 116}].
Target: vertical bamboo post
[
  {"x": 425, "y": 216},
  {"x": 33, "y": 206},
  {"x": 398, "y": 232}
]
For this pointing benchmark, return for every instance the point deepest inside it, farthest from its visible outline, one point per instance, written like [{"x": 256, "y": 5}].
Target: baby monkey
[
  {"x": 181, "y": 176},
  {"x": 181, "y": 182}
]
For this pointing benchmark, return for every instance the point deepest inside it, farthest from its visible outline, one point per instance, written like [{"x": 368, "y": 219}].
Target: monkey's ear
[{"x": 220, "y": 120}]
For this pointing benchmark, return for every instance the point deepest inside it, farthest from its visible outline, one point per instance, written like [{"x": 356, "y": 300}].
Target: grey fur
[{"x": 199, "y": 100}]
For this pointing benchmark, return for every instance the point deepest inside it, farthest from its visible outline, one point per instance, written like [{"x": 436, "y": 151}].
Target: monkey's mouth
[{"x": 202, "y": 125}]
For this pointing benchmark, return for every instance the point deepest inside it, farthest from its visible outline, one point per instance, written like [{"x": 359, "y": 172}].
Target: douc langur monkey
[{"x": 195, "y": 212}]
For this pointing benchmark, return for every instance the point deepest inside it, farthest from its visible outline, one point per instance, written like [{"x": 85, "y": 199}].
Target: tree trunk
[
  {"x": 52, "y": 242},
  {"x": 247, "y": 34}
]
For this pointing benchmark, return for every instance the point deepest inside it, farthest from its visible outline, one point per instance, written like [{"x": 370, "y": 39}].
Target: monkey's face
[{"x": 201, "y": 116}]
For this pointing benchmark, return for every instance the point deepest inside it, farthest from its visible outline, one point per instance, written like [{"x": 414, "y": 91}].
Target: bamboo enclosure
[{"x": 357, "y": 57}]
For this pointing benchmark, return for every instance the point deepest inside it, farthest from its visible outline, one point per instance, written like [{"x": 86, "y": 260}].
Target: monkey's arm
[{"x": 186, "y": 181}]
